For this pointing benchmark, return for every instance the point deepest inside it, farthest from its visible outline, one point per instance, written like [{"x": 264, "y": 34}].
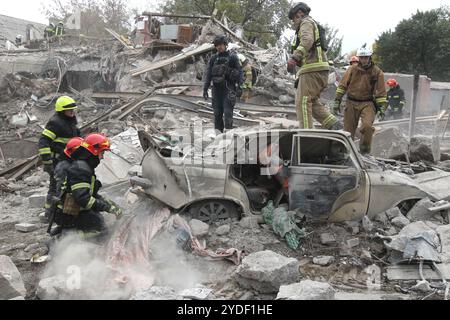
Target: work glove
[
  {"x": 381, "y": 114},
  {"x": 49, "y": 169},
  {"x": 116, "y": 210},
  {"x": 337, "y": 106},
  {"x": 291, "y": 65},
  {"x": 205, "y": 94}
]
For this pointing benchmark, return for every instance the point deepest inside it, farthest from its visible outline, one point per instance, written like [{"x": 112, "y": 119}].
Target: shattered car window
[{"x": 312, "y": 150}]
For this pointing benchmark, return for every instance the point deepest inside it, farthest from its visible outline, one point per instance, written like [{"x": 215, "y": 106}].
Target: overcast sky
[{"x": 358, "y": 21}]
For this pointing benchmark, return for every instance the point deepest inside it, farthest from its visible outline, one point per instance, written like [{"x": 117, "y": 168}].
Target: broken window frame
[{"x": 296, "y": 153}]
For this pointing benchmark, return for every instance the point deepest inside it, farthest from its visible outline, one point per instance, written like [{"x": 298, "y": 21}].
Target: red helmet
[
  {"x": 72, "y": 146},
  {"x": 392, "y": 83},
  {"x": 96, "y": 143},
  {"x": 354, "y": 59}
]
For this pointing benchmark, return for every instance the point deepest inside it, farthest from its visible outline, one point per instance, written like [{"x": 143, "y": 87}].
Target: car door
[{"x": 326, "y": 180}]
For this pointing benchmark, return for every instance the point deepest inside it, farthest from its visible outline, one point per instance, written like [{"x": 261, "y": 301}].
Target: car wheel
[{"x": 212, "y": 211}]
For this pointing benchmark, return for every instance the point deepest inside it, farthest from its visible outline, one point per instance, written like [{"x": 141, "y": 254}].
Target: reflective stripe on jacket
[
  {"x": 82, "y": 183},
  {"x": 58, "y": 131},
  {"x": 362, "y": 84},
  {"x": 313, "y": 58}
]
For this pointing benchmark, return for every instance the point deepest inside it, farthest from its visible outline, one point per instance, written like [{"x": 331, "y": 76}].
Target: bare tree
[{"x": 95, "y": 14}]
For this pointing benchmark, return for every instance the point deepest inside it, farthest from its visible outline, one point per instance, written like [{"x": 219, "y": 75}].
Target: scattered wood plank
[
  {"x": 14, "y": 167},
  {"x": 120, "y": 38},
  {"x": 82, "y": 97},
  {"x": 206, "y": 47},
  {"x": 411, "y": 272},
  {"x": 33, "y": 162}
]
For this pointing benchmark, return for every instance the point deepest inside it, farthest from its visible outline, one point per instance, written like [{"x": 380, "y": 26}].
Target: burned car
[{"x": 318, "y": 173}]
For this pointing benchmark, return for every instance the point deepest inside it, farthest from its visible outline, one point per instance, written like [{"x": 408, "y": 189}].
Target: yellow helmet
[{"x": 65, "y": 103}]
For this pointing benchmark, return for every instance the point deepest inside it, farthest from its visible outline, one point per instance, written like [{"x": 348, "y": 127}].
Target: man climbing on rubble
[
  {"x": 248, "y": 77},
  {"x": 309, "y": 53},
  {"x": 225, "y": 72},
  {"x": 50, "y": 31},
  {"x": 366, "y": 96},
  {"x": 81, "y": 204},
  {"x": 58, "y": 131},
  {"x": 59, "y": 31},
  {"x": 396, "y": 99}
]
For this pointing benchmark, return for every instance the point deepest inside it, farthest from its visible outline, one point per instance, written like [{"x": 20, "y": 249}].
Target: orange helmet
[
  {"x": 354, "y": 59},
  {"x": 96, "y": 143},
  {"x": 72, "y": 146},
  {"x": 392, "y": 83}
]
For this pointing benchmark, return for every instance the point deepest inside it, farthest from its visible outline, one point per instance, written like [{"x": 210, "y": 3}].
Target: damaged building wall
[{"x": 11, "y": 27}]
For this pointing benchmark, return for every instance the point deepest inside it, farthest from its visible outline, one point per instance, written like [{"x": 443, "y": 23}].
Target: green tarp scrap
[{"x": 284, "y": 224}]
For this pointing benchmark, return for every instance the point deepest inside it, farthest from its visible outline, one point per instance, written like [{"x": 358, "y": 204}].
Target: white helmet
[{"x": 364, "y": 52}]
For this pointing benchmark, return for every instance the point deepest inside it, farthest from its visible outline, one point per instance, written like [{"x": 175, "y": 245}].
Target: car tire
[{"x": 212, "y": 211}]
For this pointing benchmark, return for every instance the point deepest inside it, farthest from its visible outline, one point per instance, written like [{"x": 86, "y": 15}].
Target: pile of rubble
[{"x": 123, "y": 91}]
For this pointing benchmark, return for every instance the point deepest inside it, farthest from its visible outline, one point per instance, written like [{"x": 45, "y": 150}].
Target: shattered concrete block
[
  {"x": 421, "y": 150},
  {"x": 351, "y": 243},
  {"x": 26, "y": 227},
  {"x": 11, "y": 283},
  {"x": 382, "y": 218},
  {"x": 266, "y": 271},
  {"x": 223, "y": 230},
  {"x": 400, "y": 222},
  {"x": 323, "y": 260},
  {"x": 33, "y": 181},
  {"x": 420, "y": 211},
  {"x": 353, "y": 226},
  {"x": 367, "y": 224},
  {"x": 249, "y": 222},
  {"x": 389, "y": 143},
  {"x": 422, "y": 286},
  {"x": 286, "y": 99},
  {"x": 19, "y": 120},
  {"x": 199, "y": 228},
  {"x": 197, "y": 293},
  {"x": 307, "y": 290},
  {"x": 16, "y": 201},
  {"x": 37, "y": 201},
  {"x": 157, "y": 293},
  {"x": 327, "y": 239},
  {"x": 52, "y": 288},
  {"x": 391, "y": 232},
  {"x": 393, "y": 213}
]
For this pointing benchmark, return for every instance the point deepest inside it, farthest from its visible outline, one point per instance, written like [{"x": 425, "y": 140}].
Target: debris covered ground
[{"x": 153, "y": 253}]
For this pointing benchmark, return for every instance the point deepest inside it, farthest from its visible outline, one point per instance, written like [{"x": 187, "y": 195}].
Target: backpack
[
  {"x": 220, "y": 70},
  {"x": 322, "y": 41}
]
